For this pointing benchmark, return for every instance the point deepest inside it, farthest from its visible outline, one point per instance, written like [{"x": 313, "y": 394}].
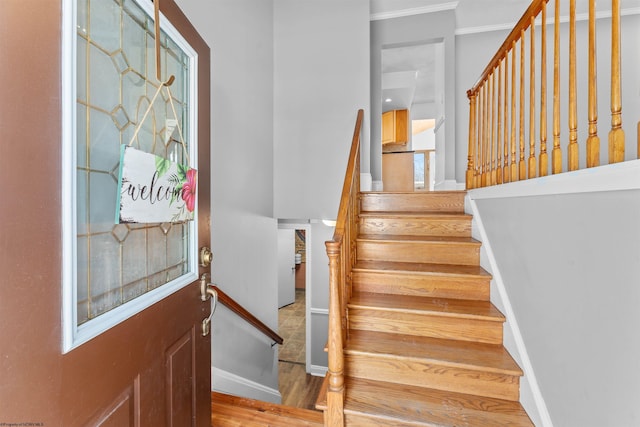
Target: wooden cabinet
[
  {"x": 395, "y": 127},
  {"x": 397, "y": 171}
]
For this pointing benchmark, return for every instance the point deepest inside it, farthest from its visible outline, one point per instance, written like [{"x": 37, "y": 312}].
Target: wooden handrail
[
  {"x": 524, "y": 22},
  {"x": 341, "y": 252},
  {"x": 232, "y": 305},
  {"x": 489, "y": 123}
]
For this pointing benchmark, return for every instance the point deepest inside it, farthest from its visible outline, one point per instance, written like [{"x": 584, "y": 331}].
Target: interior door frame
[{"x": 308, "y": 289}]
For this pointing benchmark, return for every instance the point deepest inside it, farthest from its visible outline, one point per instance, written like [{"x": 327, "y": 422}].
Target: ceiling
[{"x": 409, "y": 72}]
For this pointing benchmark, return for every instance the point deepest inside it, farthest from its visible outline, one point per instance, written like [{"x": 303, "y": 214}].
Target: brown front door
[{"x": 151, "y": 368}]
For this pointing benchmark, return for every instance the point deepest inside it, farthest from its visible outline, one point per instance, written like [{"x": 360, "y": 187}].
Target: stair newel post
[
  {"x": 470, "y": 154},
  {"x": 335, "y": 393},
  {"x": 616, "y": 134}
]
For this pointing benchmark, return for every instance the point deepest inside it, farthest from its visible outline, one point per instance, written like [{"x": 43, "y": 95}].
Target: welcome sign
[{"x": 153, "y": 189}]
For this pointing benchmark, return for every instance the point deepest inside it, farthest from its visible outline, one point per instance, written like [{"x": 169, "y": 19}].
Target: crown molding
[
  {"x": 413, "y": 11},
  {"x": 563, "y": 19}
]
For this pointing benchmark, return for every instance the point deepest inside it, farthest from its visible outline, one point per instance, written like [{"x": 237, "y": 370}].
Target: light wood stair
[
  {"x": 232, "y": 411},
  {"x": 424, "y": 344}
]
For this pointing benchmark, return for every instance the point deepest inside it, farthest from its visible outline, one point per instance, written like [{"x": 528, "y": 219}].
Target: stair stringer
[{"x": 531, "y": 397}]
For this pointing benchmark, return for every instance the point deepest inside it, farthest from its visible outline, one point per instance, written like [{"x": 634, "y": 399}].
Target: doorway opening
[
  {"x": 297, "y": 386},
  {"x": 412, "y": 104}
]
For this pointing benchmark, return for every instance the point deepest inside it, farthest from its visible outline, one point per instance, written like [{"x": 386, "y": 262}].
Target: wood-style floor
[{"x": 298, "y": 389}]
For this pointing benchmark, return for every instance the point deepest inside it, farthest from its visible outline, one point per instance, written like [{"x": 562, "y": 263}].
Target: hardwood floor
[{"x": 298, "y": 389}]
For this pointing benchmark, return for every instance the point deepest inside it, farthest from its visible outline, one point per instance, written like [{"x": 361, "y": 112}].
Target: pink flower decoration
[{"x": 189, "y": 190}]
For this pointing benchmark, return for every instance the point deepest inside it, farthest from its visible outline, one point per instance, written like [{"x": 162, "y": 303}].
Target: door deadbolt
[{"x": 206, "y": 256}]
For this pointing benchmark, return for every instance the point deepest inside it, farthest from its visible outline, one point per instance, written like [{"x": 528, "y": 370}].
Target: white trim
[
  {"x": 447, "y": 185},
  {"x": 226, "y": 382},
  {"x": 438, "y": 124},
  {"x": 615, "y": 177},
  {"x": 323, "y": 311},
  {"x": 563, "y": 19},
  {"x": 376, "y": 186},
  {"x": 68, "y": 228},
  {"x": 72, "y": 334},
  {"x": 318, "y": 371},
  {"x": 365, "y": 181},
  {"x": 413, "y": 11},
  {"x": 512, "y": 322}
]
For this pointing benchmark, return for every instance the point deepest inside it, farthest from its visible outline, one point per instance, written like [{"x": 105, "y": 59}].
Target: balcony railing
[{"x": 508, "y": 135}]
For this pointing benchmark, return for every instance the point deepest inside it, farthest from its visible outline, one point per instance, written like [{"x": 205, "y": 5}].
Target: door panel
[
  {"x": 150, "y": 370},
  {"x": 286, "y": 266}
]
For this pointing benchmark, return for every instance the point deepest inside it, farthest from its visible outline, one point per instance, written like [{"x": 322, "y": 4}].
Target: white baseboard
[
  {"x": 318, "y": 371},
  {"x": 366, "y": 184},
  {"x": 530, "y": 395},
  {"x": 448, "y": 185},
  {"x": 228, "y": 383},
  {"x": 376, "y": 186}
]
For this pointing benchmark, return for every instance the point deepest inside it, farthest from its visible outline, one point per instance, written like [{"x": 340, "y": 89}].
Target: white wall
[
  {"x": 473, "y": 52},
  {"x": 244, "y": 233},
  {"x": 423, "y": 28},
  {"x": 570, "y": 264},
  {"x": 321, "y": 80}
]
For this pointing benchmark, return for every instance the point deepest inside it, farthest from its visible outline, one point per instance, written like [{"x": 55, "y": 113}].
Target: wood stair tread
[
  {"x": 426, "y": 268},
  {"x": 414, "y": 238},
  {"x": 230, "y": 410},
  {"x": 461, "y": 354},
  {"x": 415, "y": 214},
  {"x": 407, "y": 405},
  {"x": 435, "y": 306}
]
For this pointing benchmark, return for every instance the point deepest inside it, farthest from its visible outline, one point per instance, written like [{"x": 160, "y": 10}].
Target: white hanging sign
[{"x": 153, "y": 189}]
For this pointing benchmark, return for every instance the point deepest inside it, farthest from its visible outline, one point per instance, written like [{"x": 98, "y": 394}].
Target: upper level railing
[
  {"x": 342, "y": 256},
  {"x": 499, "y": 134}
]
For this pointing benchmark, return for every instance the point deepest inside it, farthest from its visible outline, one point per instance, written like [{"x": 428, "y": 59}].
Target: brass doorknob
[{"x": 206, "y": 256}]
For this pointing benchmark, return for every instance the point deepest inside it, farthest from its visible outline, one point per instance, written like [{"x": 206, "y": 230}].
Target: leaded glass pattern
[{"x": 116, "y": 81}]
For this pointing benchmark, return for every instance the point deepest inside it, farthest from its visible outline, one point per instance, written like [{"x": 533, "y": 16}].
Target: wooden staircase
[{"x": 424, "y": 345}]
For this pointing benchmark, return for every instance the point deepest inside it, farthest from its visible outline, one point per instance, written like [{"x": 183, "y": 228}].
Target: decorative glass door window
[{"x": 115, "y": 270}]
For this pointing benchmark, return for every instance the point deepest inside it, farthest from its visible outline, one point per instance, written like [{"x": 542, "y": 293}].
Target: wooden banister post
[
  {"x": 532, "y": 102},
  {"x": 506, "y": 177},
  {"x": 485, "y": 123},
  {"x": 472, "y": 118},
  {"x": 616, "y": 135},
  {"x": 556, "y": 155},
  {"x": 522, "y": 166},
  {"x": 593, "y": 141},
  {"x": 573, "y": 104},
  {"x": 492, "y": 141},
  {"x": 543, "y": 170},
  {"x": 498, "y": 171},
  {"x": 513, "y": 165},
  {"x": 335, "y": 393}
]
